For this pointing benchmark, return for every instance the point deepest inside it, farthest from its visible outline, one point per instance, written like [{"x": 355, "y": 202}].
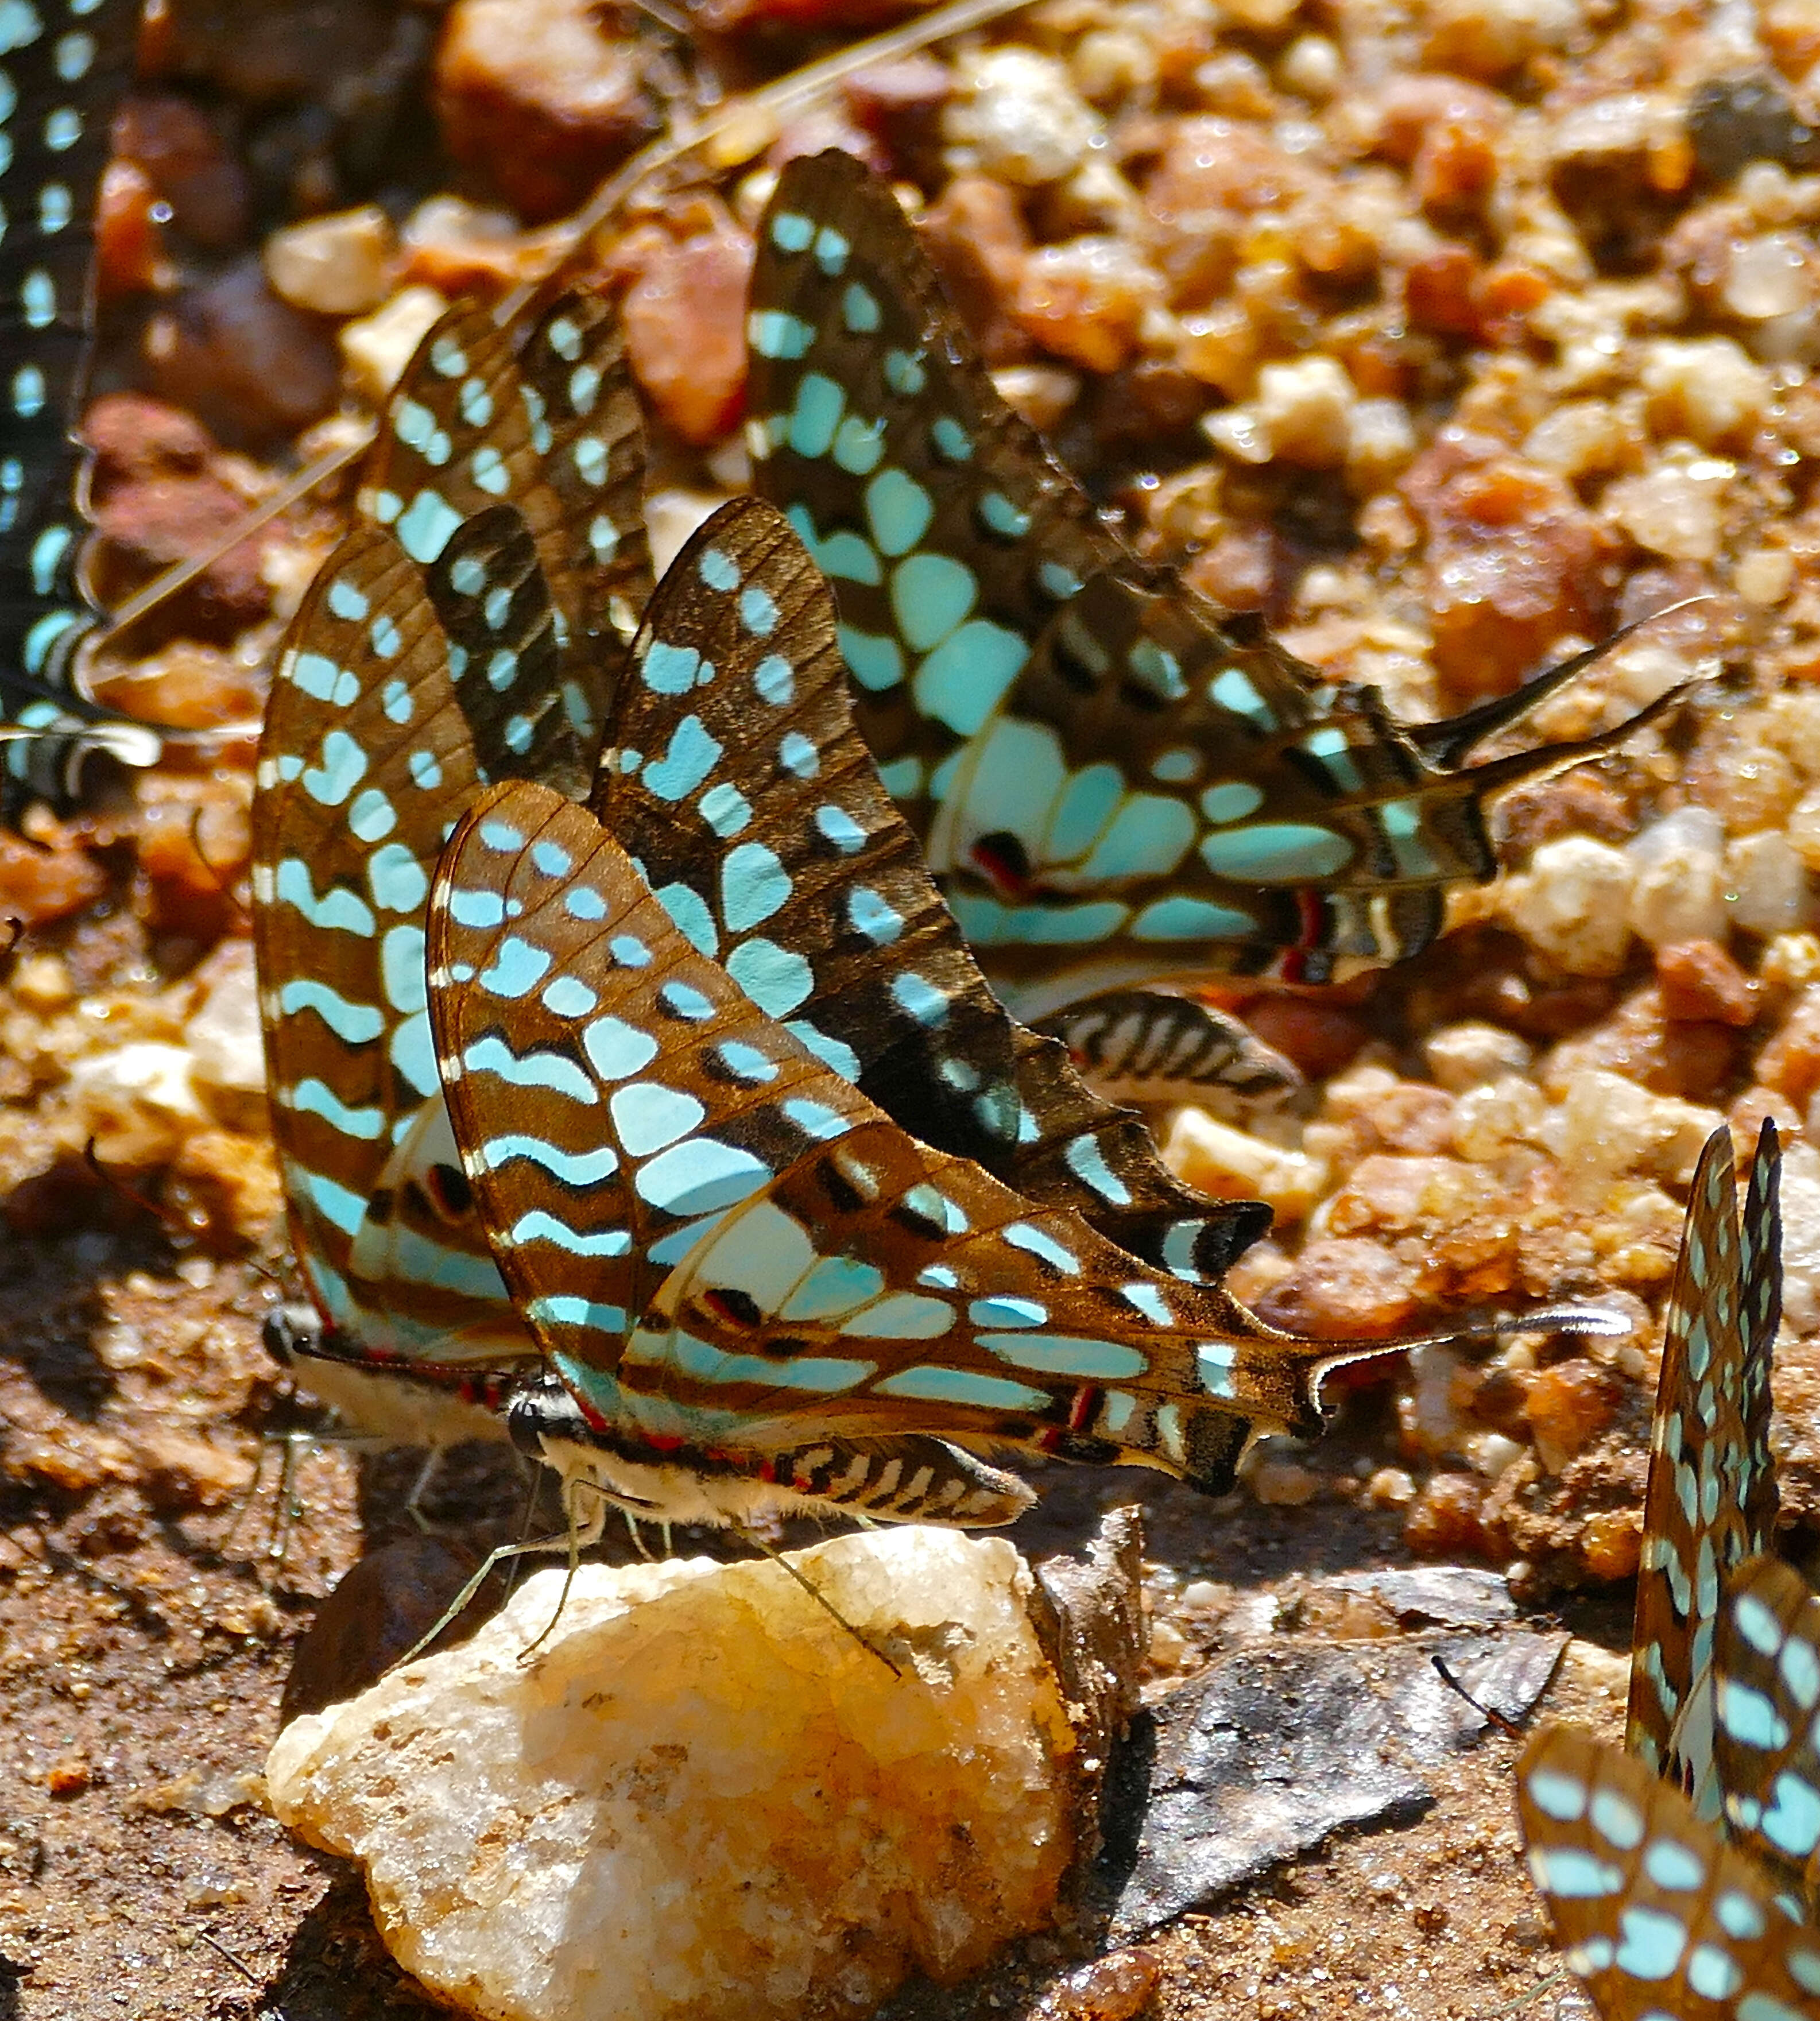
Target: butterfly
[
  {"x": 1629, "y": 1846},
  {"x": 422, "y": 663},
  {"x": 796, "y": 1214},
  {"x": 64, "y": 68},
  {"x": 1108, "y": 776}
]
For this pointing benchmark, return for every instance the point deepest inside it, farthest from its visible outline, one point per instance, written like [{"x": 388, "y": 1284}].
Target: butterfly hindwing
[
  {"x": 738, "y": 780},
  {"x": 1659, "y": 1916},
  {"x": 715, "y": 1236}
]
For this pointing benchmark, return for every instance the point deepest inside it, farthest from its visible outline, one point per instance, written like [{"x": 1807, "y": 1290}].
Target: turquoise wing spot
[
  {"x": 858, "y": 444},
  {"x": 1148, "y": 838},
  {"x": 1276, "y": 853},
  {"x": 963, "y": 680},
  {"x": 815, "y": 417},
  {"x": 773, "y": 334},
  {"x": 425, "y": 527},
  {"x": 899, "y": 512},
  {"x": 1231, "y": 800},
  {"x": 931, "y": 595},
  {"x": 1184, "y": 919},
  {"x": 875, "y": 659}
]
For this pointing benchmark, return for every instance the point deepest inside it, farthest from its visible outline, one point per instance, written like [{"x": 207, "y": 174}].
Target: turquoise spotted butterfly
[
  {"x": 1107, "y": 776},
  {"x": 660, "y": 1022}
]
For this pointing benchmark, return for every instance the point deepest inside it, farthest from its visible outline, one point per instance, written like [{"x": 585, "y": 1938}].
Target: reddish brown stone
[
  {"x": 39, "y": 883},
  {"x": 1693, "y": 1060},
  {"x": 1570, "y": 1405},
  {"x": 1702, "y": 983},
  {"x": 1412, "y": 105},
  {"x": 1611, "y": 1543},
  {"x": 1514, "y": 561},
  {"x": 184, "y": 155},
  {"x": 685, "y": 324},
  {"x": 1343, "y": 1288},
  {"x": 129, "y": 249},
  {"x": 975, "y": 235},
  {"x": 1084, "y": 303},
  {"x": 534, "y": 97},
  {"x": 1448, "y": 1519},
  {"x": 1319, "y": 1037},
  {"x": 1790, "y": 1063},
  {"x": 251, "y": 366},
  {"x": 69, "y": 1776},
  {"x": 1440, "y": 293},
  {"x": 1217, "y": 177}
]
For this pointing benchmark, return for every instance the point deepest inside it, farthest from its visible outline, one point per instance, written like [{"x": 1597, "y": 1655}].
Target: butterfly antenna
[
  {"x": 223, "y": 889},
  {"x": 816, "y": 1594},
  {"x": 1491, "y": 1716},
  {"x": 168, "y": 1219}
]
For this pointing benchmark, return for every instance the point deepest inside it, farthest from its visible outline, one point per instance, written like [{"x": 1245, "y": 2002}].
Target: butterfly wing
[
  {"x": 1708, "y": 1464},
  {"x": 542, "y": 414},
  {"x": 939, "y": 516},
  {"x": 1098, "y": 762},
  {"x": 366, "y": 759},
  {"x": 1766, "y": 1736},
  {"x": 717, "y": 1238},
  {"x": 65, "y": 67},
  {"x": 1659, "y": 1916},
  {"x": 736, "y": 778}
]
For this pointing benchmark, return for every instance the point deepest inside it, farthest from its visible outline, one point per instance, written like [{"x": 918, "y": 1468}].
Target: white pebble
[
  {"x": 378, "y": 348},
  {"x": 1573, "y": 906},
  {"x": 1710, "y": 390},
  {"x": 1768, "y": 882},
  {"x": 336, "y": 266},
  {"x": 1016, "y": 116},
  {"x": 1676, "y": 508},
  {"x": 223, "y": 1031},
  {"x": 1464, "y": 1056},
  {"x": 1678, "y": 887}
]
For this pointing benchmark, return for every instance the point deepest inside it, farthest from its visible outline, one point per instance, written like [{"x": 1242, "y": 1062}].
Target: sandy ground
[{"x": 146, "y": 1633}]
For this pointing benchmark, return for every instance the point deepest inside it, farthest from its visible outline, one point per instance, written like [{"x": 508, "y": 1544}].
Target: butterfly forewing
[
  {"x": 542, "y": 415},
  {"x": 738, "y": 780},
  {"x": 718, "y": 1236},
  {"x": 366, "y": 758},
  {"x": 1660, "y": 1917},
  {"x": 950, "y": 532},
  {"x": 64, "y": 65},
  {"x": 1711, "y": 1490}
]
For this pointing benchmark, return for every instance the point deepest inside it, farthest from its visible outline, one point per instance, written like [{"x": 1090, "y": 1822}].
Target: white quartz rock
[{"x": 698, "y": 1794}]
